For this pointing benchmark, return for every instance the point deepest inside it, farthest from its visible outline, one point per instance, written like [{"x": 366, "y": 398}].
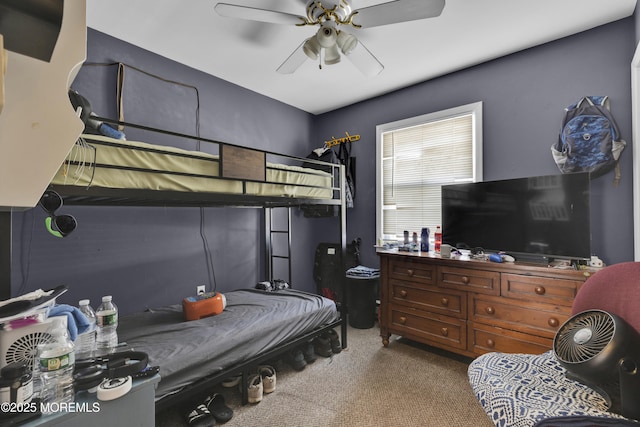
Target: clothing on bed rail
[{"x": 253, "y": 322}]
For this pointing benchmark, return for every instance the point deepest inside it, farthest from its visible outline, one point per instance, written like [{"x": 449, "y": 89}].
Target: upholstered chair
[{"x": 527, "y": 390}]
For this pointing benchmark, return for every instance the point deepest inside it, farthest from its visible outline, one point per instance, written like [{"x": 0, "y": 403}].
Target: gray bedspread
[{"x": 253, "y": 322}]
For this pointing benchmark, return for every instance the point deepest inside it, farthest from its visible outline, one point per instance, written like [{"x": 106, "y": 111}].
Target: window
[{"x": 415, "y": 157}]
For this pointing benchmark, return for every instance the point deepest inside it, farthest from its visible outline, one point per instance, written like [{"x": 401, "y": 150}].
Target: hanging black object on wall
[{"x": 349, "y": 162}]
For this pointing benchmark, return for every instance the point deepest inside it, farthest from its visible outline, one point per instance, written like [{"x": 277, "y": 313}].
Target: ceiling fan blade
[
  {"x": 365, "y": 61},
  {"x": 293, "y": 62},
  {"x": 397, "y": 11},
  {"x": 254, "y": 14}
]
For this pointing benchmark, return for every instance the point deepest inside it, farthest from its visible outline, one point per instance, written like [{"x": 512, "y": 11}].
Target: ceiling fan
[{"x": 330, "y": 40}]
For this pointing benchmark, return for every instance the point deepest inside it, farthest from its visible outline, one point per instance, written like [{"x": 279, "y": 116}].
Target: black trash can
[{"x": 362, "y": 293}]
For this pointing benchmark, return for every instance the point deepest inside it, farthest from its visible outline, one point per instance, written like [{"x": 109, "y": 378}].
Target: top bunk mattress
[
  {"x": 99, "y": 161},
  {"x": 253, "y": 322}
]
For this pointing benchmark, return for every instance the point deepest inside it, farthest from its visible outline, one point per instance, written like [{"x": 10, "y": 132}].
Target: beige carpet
[{"x": 405, "y": 384}]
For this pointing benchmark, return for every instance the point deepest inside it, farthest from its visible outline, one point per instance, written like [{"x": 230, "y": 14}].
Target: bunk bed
[
  {"x": 105, "y": 171},
  {"x": 110, "y": 172}
]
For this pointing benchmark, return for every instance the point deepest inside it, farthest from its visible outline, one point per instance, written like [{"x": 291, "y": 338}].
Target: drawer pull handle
[
  {"x": 490, "y": 310},
  {"x": 403, "y": 320},
  {"x": 403, "y": 293},
  {"x": 465, "y": 280},
  {"x": 490, "y": 343},
  {"x": 410, "y": 272},
  {"x": 540, "y": 290},
  {"x": 553, "y": 322},
  {"x": 444, "y": 332},
  {"x": 444, "y": 301}
]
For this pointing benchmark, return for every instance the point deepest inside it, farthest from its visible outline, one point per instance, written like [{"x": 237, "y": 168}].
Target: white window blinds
[{"x": 415, "y": 161}]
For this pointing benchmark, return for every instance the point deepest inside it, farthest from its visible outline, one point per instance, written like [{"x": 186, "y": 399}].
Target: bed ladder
[{"x": 278, "y": 241}]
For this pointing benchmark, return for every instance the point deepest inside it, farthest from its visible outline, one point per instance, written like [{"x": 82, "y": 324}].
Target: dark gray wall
[
  {"x": 523, "y": 97},
  {"x": 146, "y": 257}
]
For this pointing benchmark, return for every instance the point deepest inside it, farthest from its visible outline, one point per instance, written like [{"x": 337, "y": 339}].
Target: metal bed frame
[{"x": 230, "y": 157}]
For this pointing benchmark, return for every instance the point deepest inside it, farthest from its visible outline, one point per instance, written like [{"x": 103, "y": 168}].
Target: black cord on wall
[{"x": 203, "y": 236}]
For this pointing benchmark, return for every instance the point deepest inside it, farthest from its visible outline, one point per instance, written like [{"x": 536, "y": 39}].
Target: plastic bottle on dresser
[
  {"x": 56, "y": 360},
  {"x": 107, "y": 322},
  {"x": 86, "y": 341},
  {"x": 424, "y": 240},
  {"x": 438, "y": 239}
]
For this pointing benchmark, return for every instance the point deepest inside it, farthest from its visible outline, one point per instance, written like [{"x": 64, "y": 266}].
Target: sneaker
[
  {"x": 295, "y": 358},
  {"x": 231, "y": 381},
  {"x": 254, "y": 391},
  {"x": 308, "y": 352},
  {"x": 334, "y": 339},
  {"x": 200, "y": 417},
  {"x": 322, "y": 346},
  {"x": 268, "y": 375},
  {"x": 217, "y": 407},
  {"x": 279, "y": 284},
  {"x": 265, "y": 286}
]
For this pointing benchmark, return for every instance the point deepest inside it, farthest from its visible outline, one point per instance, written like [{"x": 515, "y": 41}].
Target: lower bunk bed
[{"x": 256, "y": 326}]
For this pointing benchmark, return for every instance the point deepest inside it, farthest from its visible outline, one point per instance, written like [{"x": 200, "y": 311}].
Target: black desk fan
[{"x": 602, "y": 350}]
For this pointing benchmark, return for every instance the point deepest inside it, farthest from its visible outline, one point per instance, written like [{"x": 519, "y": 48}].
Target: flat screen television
[{"x": 537, "y": 218}]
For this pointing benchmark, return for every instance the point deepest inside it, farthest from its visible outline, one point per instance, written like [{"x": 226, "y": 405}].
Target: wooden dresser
[{"x": 474, "y": 307}]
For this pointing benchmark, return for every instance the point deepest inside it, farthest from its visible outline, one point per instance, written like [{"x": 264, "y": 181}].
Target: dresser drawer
[
  {"x": 418, "y": 272},
  {"x": 484, "y": 339},
  {"x": 442, "y": 301},
  {"x": 468, "y": 279},
  {"x": 510, "y": 307},
  {"x": 529, "y": 317},
  {"x": 428, "y": 327},
  {"x": 539, "y": 289}
]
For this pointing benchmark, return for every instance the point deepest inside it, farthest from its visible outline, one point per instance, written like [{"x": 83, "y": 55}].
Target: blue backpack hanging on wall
[{"x": 589, "y": 139}]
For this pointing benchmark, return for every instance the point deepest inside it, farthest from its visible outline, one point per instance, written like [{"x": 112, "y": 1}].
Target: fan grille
[
  {"x": 584, "y": 336},
  {"x": 25, "y": 347}
]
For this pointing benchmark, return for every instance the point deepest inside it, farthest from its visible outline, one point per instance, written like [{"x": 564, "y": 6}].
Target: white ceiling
[{"x": 247, "y": 53}]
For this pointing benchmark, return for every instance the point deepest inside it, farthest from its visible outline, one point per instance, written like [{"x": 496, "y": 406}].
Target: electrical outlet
[{"x": 200, "y": 290}]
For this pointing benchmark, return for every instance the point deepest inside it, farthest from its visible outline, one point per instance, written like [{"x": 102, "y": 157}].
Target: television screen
[{"x": 544, "y": 215}]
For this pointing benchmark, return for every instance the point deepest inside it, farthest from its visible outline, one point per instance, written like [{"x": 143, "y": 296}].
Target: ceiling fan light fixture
[
  {"x": 346, "y": 42},
  {"x": 331, "y": 55},
  {"x": 327, "y": 36},
  {"x": 330, "y": 15},
  {"x": 311, "y": 48}
]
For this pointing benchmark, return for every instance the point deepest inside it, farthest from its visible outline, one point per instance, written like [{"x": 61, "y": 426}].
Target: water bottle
[
  {"x": 424, "y": 240},
  {"x": 438, "y": 239},
  {"x": 107, "y": 322},
  {"x": 86, "y": 342},
  {"x": 56, "y": 360}
]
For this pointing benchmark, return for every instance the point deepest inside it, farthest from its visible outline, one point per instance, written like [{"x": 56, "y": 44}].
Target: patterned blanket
[{"x": 522, "y": 390}]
